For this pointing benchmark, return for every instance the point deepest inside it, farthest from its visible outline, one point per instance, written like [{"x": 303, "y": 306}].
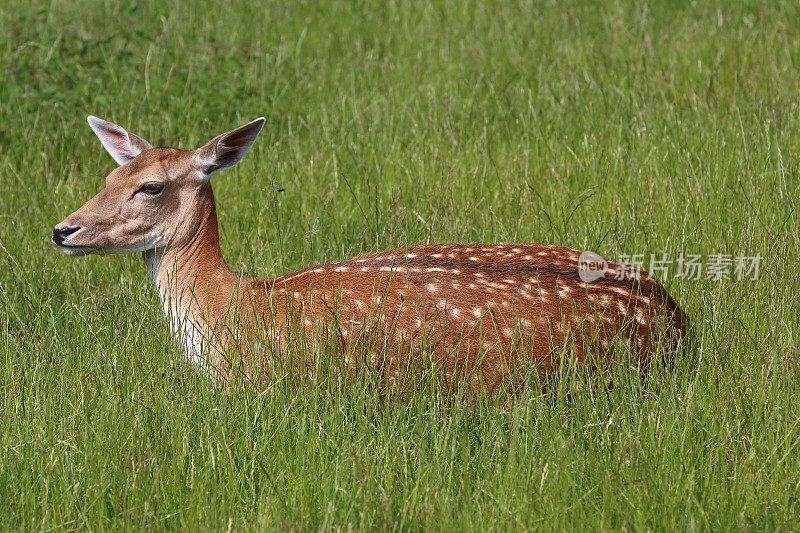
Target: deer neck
[{"x": 194, "y": 283}]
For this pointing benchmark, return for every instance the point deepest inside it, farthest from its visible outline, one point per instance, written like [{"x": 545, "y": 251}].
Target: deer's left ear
[
  {"x": 226, "y": 150},
  {"x": 121, "y": 144}
]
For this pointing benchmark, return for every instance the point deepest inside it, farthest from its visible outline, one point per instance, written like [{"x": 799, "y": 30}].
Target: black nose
[{"x": 59, "y": 234}]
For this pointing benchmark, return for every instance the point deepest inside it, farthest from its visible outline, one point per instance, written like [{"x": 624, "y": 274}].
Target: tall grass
[{"x": 614, "y": 127}]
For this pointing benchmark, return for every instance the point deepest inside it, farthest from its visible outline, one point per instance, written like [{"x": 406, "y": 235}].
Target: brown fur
[{"x": 481, "y": 310}]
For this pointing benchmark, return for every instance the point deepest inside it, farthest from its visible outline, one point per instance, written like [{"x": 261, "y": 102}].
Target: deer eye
[{"x": 151, "y": 188}]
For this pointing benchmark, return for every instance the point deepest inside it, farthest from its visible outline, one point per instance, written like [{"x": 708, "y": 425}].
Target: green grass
[{"x": 617, "y": 128}]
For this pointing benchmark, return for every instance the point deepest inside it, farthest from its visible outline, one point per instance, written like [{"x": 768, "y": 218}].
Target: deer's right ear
[{"x": 121, "y": 144}]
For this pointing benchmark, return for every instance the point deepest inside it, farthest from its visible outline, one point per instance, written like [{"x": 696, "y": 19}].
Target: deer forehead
[{"x": 156, "y": 164}]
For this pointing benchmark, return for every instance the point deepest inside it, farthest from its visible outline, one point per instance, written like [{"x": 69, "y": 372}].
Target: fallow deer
[{"x": 485, "y": 309}]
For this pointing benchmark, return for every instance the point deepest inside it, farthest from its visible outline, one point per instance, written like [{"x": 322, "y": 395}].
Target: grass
[{"x": 613, "y": 127}]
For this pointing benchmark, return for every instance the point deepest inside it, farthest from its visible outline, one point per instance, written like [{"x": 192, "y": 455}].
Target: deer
[{"x": 472, "y": 309}]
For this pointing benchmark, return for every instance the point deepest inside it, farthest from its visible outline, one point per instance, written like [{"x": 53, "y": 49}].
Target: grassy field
[{"x": 617, "y": 128}]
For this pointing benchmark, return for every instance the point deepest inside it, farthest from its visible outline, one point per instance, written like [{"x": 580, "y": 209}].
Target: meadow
[{"x": 616, "y": 127}]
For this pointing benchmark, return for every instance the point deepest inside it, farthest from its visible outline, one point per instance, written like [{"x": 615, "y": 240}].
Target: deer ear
[
  {"x": 226, "y": 150},
  {"x": 121, "y": 144}
]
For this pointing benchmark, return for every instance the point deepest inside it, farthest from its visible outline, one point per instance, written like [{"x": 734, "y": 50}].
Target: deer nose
[{"x": 59, "y": 234}]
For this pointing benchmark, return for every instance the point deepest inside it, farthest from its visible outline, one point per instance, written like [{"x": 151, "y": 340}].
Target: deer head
[{"x": 152, "y": 200}]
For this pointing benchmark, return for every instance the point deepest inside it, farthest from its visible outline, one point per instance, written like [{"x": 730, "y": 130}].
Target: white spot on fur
[{"x": 298, "y": 275}]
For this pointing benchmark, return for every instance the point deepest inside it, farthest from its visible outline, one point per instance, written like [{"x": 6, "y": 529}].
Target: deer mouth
[
  {"x": 73, "y": 250},
  {"x": 62, "y": 237}
]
